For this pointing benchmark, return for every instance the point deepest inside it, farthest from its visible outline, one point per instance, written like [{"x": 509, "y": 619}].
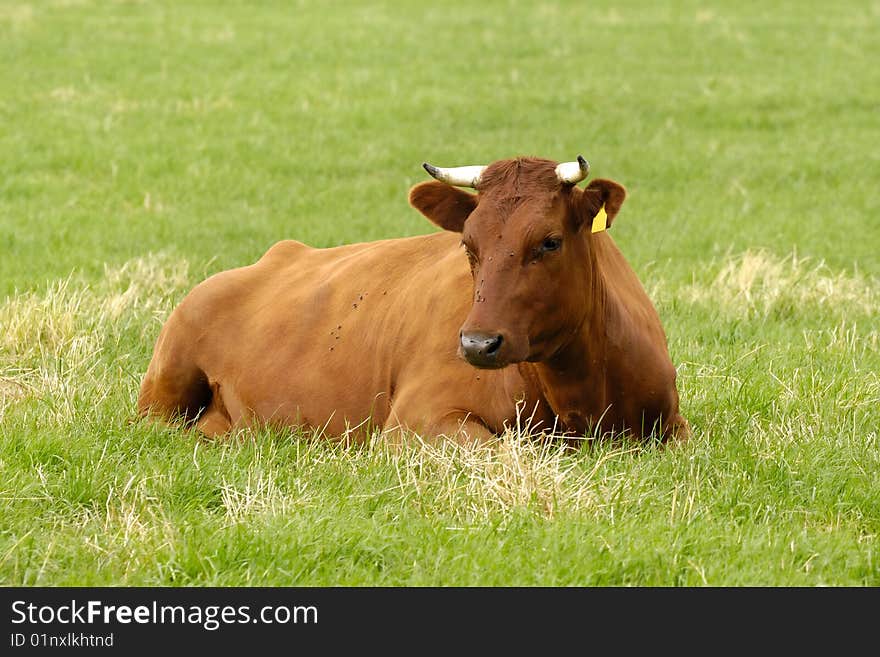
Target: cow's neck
[{"x": 573, "y": 382}]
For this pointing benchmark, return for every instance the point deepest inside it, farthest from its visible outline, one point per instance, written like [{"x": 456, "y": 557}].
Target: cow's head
[{"x": 527, "y": 234}]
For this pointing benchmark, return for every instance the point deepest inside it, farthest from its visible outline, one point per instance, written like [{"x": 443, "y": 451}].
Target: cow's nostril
[{"x": 494, "y": 345}]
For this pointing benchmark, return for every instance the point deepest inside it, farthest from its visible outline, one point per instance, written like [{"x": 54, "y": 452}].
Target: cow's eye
[
  {"x": 470, "y": 256},
  {"x": 551, "y": 244}
]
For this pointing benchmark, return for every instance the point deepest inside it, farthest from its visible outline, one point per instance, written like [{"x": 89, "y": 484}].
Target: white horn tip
[{"x": 459, "y": 176}]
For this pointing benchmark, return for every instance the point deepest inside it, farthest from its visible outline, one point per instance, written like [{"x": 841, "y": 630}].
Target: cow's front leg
[
  {"x": 677, "y": 431},
  {"x": 213, "y": 422},
  {"x": 459, "y": 426},
  {"x": 463, "y": 428}
]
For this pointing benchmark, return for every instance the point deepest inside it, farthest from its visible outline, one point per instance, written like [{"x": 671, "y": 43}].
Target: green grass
[{"x": 146, "y": 145}]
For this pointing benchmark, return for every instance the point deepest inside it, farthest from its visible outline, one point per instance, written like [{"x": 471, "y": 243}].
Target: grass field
[{"x": 146, "y": 145}]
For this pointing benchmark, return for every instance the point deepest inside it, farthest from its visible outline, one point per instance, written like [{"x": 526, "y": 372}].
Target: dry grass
[
  {"x": 517, "y": 470},
  {"x": 261, "y": 494},
  {"x": 49, "y": 323},
  {"x": 18, "y": 15},
  {"x": 51, "y": 342},
  {"x": 758, "y": 283}
]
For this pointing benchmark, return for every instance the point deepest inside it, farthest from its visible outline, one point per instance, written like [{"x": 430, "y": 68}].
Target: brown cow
[{"x": 402, "y": 334}]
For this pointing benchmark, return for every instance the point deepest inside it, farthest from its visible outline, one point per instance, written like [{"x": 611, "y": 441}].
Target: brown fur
[
  {"x": 366, "y": 335},
  {"x": 507, "y": 184}
]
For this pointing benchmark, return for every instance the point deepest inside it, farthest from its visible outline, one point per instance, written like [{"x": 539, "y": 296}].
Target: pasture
[{"x": 146, "y": 145}]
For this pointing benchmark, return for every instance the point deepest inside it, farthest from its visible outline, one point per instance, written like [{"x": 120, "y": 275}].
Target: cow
[{"x": 522, "y": 304}]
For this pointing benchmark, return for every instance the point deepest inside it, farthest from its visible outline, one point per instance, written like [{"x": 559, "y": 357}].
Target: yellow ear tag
[{"x": 600, "y": 221}]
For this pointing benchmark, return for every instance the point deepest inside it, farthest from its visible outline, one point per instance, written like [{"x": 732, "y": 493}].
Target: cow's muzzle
[{"x": 482, "y": 349}]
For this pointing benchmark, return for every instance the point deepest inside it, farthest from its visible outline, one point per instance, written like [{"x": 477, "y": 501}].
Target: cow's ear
[
  {"x": 598, "y": 193},
  {"x": 446, "y": 206}
]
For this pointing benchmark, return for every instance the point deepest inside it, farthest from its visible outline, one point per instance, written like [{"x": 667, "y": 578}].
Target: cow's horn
[
  {"x": 571, "y": 173},
  {"x": 459, "y": 176}
]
